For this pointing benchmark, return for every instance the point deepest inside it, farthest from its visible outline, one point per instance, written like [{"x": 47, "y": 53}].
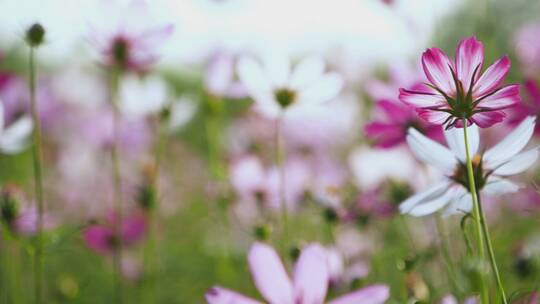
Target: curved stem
[
  {"x": 491, "y": 253},
  {"x": 476, "y": 210},
  {"x": 280, "y": 162},
  {"x": 38, "y": 181}
]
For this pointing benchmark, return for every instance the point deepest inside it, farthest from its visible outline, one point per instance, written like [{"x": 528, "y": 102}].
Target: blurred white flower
[
  {"x": 140, "y": 97},
  {"x": 278, "y": 87},
  {"x": 14, "y": 138},
  {"x": 491, "y": 168},
  {"x": 182, "y": 111}
]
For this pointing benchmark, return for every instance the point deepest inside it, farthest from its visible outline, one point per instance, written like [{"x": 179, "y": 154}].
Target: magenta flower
[
  {"x": 394, "y": 119},
  {"x": 102, "y": 239},
  {"x": 309, "y": 284},
  {"x": 529, "y": 108},
  {"x": 458, "y": 89}
]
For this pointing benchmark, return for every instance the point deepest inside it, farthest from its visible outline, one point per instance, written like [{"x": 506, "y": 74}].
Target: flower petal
[
  {"x": 278, "y": 69},
  {"x": 424, "y": 196},
  {"x": 492, "y": 77},
  {"x": 324, "y": 89},
  {"x": 433, "y": 116},
  {"x": 306, "y": 72},
  {"x": 502, "y": 99},
  {"x": 14, "y": 138},
  {"x": 498, "y": 186},
  {"x": 252, "y": 75},
  {"x": 430, "y": 152},
  {"x": 487, "y": 119},
  {"x": 511, "y": 144},
  {"x": 311, "y": 275},
  {"x": 434, "y": 203},
  {"x": 455, "y": 140},
  {"x": 469, "y": 57},
  {"x": 219, "y": 295},
  {"x": 269, "y": 275},
  {"x": 374, "y": 294},
  {"x": 438, "y": 69},
  {"x": 421, "y": 99},
  {"x": 518, "y": 163},
  {"x": 460, "y": 205}
]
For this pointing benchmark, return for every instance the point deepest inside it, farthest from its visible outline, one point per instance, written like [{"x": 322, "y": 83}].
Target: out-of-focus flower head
[
  {"x": 308, "y": 285},
  {"x": 278, "y": 87},
  {"x": 458, "y": 90},
  {"x": 491, "y": 168},
  {"x": 142, "y": 96},
  {"x": 14, "y": 137},
  {"x": 529, "y": 107},
  {"x": 220, "y": 78},
  {"x": 528, "y": 49},
  {"x": 102, "y": 239},
  {"x": 129, "y": 40}
]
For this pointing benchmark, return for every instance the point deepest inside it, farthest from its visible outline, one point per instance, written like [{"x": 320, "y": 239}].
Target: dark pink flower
[
  {"x": 390, "y": 127},
  {"x": 458, "y": 89},
  {"x": 102, "y": 239},
  {"x": 529, "y": 108}
]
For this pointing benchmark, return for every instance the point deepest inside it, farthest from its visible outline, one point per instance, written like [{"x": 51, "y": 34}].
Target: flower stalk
[{"x": 280, "y": 162}]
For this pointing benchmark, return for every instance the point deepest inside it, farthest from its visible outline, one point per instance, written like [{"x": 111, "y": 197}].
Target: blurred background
[{"x": 196, "y": 157}]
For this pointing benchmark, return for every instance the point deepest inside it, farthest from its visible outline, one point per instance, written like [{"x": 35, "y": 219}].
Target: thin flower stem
[
  {"x": 491, "y": 253},
  {"x": 476, "y": 210},
  {"x": 38, "y": 180},
  {"x": 443, "y": 234},
  {"x": 280, "y": 162},
  {"x": 117, "y": 183}
]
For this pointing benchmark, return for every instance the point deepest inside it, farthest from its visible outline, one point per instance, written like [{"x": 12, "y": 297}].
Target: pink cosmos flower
[
  {"x": 101, "y": 238},
  {"x": 529, "y": 108},
  {"x": 130, "y": 44},
  {"x": 394, "y": 119},
  {"x": 458, "y": 89},
  {"x": 308, "y": 286}
]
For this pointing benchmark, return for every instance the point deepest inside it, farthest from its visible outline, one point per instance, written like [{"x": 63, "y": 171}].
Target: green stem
[
  {"x": 213, "y": 116},
  {"x": 117, "y": 184},
  {"x": 38, "y": 181},
  {"x": 491, "y": 253},
  {"x": 476, "y": 210},
  {"x": 445, "y": 249},
  {"x": 280, "y": 162}
]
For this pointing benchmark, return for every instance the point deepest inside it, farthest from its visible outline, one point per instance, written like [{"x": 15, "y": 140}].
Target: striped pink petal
[
  {"x": 438, "y": 69},
  {"x": 492, "y": 77},
  {"x": 502, "y": 99},
  {"x": 432, "y": 116},
  {"x": 469, "y": 57},
  {"x": 421, "y": 99},
  {"x": 487, "y": 119}
]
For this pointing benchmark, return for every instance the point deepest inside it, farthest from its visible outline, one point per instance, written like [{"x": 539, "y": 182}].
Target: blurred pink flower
[
  {"x": 458, "y": 90},
  {"x": 279, "y": 88},
  {"x": 394, "y": 119},
  {"x": 27, "y": 221},
  {"x": 308, "y": 286},
  {"x": 131, "y": 44},
  {"x": 530, "y": 106},
  {"x": 101, "y": 238},
  {"x": 220, "y": 76},
  {"x": 528, "y": 48}
]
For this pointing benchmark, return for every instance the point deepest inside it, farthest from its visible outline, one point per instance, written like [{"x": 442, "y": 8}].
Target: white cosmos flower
[
  {"x": 491, "y": 167},
  {"x": 277, "y": 86},
  {"x": 14, "y": 138}
]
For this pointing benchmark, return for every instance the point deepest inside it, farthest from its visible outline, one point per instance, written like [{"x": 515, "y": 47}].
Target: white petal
[
  {"x": 324, "y": 89},
  {"x": 252, "y": 75},
  {"x": 14, "y": 138},
  {"x": 454, "y": 138},
  {"x": 278, "y": 69},
  {"x": 431, "y": 152},
  {"x": 1, "y": 117},
  {"x": 460, "y": 205},
  {"x": 424, "y": 196},
  {"x": 518, "y": 163},
  {"x": 311, "y": 274},
  {"x": 306, "y": 72},
  {"x": 498, "y": 186},
  {"x": 182, "y": 111},
  {"x": 434, "y": 203},
  {"x": 512, "y": 144}
]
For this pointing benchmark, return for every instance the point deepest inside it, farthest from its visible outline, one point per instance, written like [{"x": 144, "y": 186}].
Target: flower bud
[
  {"x": 35, "y": 35},
  {"x": 262, "y": 232}
]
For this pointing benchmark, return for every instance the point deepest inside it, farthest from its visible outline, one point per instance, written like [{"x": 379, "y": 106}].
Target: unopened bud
[{"x": 35, "y": 35}]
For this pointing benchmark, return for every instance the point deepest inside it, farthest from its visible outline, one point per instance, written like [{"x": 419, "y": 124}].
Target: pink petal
[
  {"x": 269, "y": 275},
  {"x": 98, "y": 238},
  {"x": 218, "y": 295},
  {"x": 487, "y": 119},
  {"x": 394, "y": 111},
  {"x": 503, "y": 98},
  {"x": 438, "y": 69},
  {"x": 432, "y": 116},
  {"x": 534, "y": 91},
  {"x": 492, "y": 77},
  {"x": 421, "y": 99},
  {"x": 374, "y": 294},
  {"x": 133, "y": 229},
  {"x": 385, "y": 135},
  {"x": 311, "y": 275},
  {"x": 469, "y": 57}
]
